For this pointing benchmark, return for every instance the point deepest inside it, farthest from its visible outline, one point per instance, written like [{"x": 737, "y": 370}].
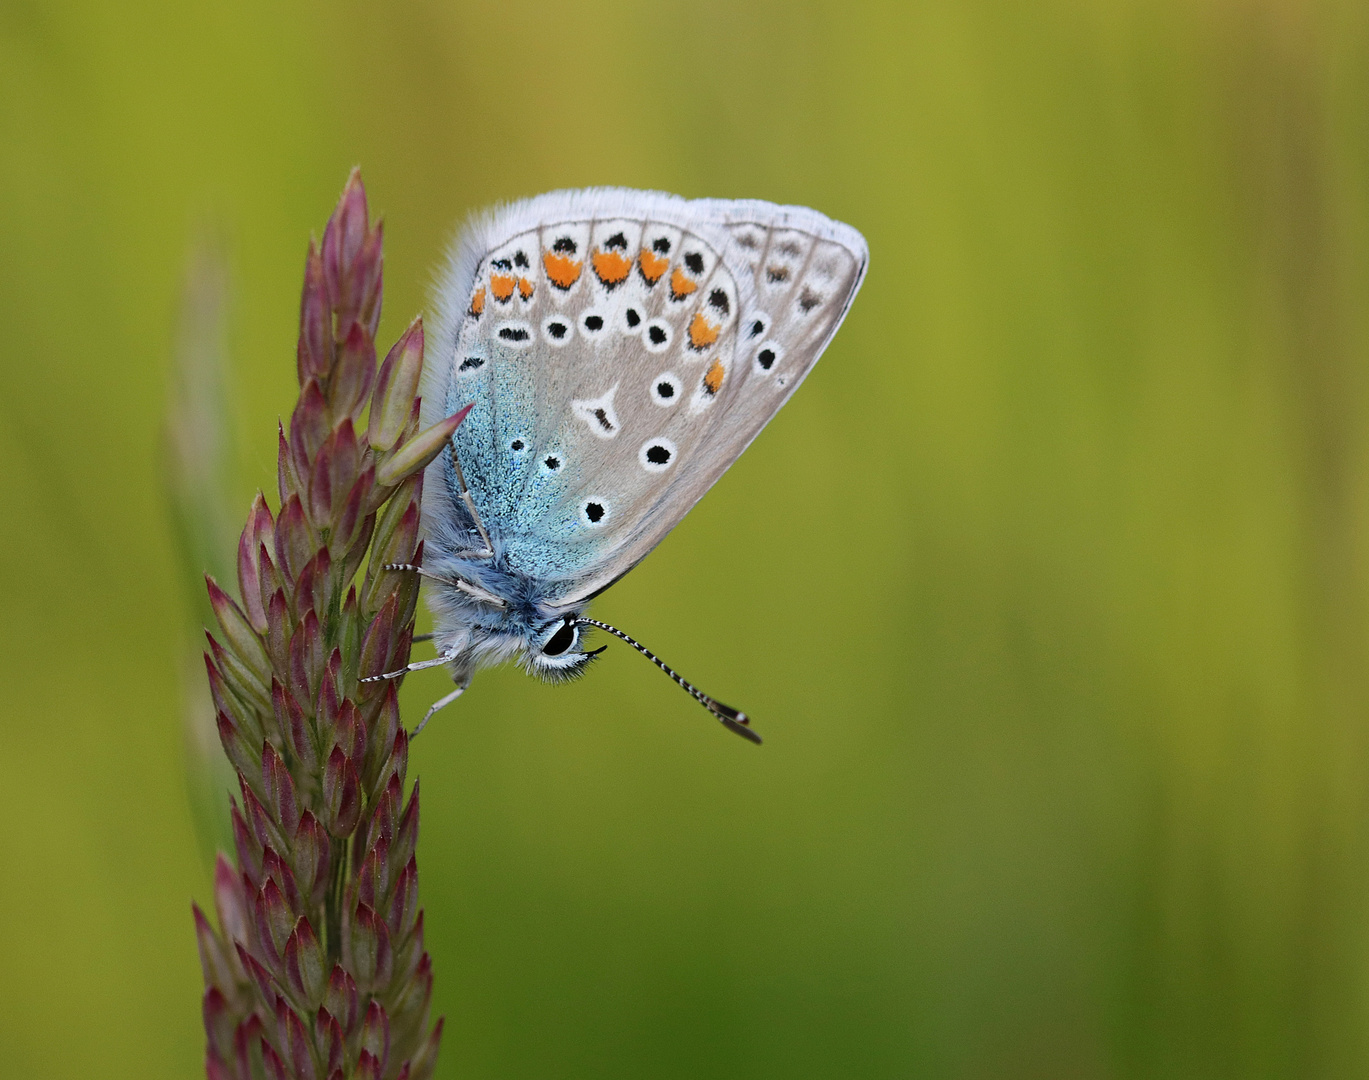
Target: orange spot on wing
[
  {"x": 681, "y": 286},
  {"x": 702, "y": 333},
  {"x": 525, "y": 288},
  {"x": 653, "y": 265},
  {"x": 562, "y": 271},
  {"x": 713, "y": 378},
  {"x": 478, "y": 302},
  {"x": 502, "y": 286},
  {"x": 611, "y": 266}
]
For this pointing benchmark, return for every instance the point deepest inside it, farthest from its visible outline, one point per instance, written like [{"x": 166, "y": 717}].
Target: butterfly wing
[{"x": 620, "y": 350}]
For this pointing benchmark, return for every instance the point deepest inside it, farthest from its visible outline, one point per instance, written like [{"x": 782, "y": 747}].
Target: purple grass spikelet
[{"x": 316, "y": 969}]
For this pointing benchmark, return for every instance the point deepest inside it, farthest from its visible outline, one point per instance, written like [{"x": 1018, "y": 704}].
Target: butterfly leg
[
  {"x": 468, "y": 587},
  {"x": 442, "y": 703},
  {"x": 488, "y": 552},
  {"x": 445, "y": 658}
]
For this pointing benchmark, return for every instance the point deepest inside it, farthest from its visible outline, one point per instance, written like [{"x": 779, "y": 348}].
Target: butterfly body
[{"x": 618, "y": 351}]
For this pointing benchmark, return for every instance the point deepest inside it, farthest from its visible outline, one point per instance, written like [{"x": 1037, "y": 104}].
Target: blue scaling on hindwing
[
  {"x": 514, "y": 440},
  {"x": 519, "y": 473},
  {"x": 472, "y": 438},
  {"x": 548, "y": 540},
  {"x": 496, "y": 380}
]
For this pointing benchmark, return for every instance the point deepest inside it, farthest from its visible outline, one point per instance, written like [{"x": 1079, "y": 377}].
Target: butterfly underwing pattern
[{"x": 618, "y": 351}]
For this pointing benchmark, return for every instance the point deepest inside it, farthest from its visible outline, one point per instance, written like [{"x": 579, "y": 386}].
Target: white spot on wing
[
  {"x": 657, "y": 455},
  {"x": 594, "y": 323},
  {"x": 768, "y": 355},
  {"x": 598, "y": 414},
  {"x": 558, "y": 330},
  {"x": 594, "y": 512},
  {"x": 666, "y": 389},
  {"x": 657, "y": 335},
  {"x": 513, "y": 334}
]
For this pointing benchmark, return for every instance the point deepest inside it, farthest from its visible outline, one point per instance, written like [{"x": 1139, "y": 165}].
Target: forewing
[{"x": 620, "y": 350}]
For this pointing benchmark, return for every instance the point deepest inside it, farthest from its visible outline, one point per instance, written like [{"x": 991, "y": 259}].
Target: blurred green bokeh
[{"x": 1049, "y": 590}]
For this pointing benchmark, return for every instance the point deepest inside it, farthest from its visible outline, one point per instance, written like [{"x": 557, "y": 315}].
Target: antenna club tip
[
  {"x": 740, "y": 725},
  {"x": 732, "y": 719}
]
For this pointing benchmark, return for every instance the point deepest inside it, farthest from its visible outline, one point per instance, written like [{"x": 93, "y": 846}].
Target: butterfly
[{"x": 617, "y": 351}]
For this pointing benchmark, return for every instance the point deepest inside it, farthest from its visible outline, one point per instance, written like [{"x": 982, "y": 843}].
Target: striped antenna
[{"x": 730, "y": 718}]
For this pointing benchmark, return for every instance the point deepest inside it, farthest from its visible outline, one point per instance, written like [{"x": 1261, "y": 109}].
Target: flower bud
[
  {"x": 396, "y": 388},
  {"x": 294, "y": 543},
  {"x": 314, "y": 355},
  {"x": 354, "y": 374},
  {"x": 404, "y": 902},
  {"x": 375, "y": 1033},
  {"x": 328, "y": 1040},
  {"x": 275, "y": 1067},
  {"x": 230, "y": 901},
  {"x": 418, "y": 451},
  {"x": 341, "y": 998},
  {"x": 248, "y": 851},
  {"x": 260, "y": 528},
  {"x": 304, "y": 964},
  {"x": 309, "y": 427},
  {"x": 298, "y": 1043},
  {"x": 213, "y": 958},
  {"x": 240, "y": 752},
  {"x": 275, "y": 868},
  {"x": 274, "y": 919},
  {"x": 378, "y": 642},
  {"x": 278, "y": 790},
  {"x": 369, "y": 949},
  {"x": 341, "y": 794},
  {"x": 312, "y": 858},
  {"x": 424, "y": 1062}
]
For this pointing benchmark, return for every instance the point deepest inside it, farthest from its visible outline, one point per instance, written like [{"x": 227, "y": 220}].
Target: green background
[{"x": 1049, "y": 590}]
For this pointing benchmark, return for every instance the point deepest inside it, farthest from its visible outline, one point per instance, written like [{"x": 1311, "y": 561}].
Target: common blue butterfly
[{"x": 618, "y": 349}]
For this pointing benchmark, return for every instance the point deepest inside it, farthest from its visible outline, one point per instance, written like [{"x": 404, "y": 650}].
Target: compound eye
[{"x": 560, "y": 641}]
